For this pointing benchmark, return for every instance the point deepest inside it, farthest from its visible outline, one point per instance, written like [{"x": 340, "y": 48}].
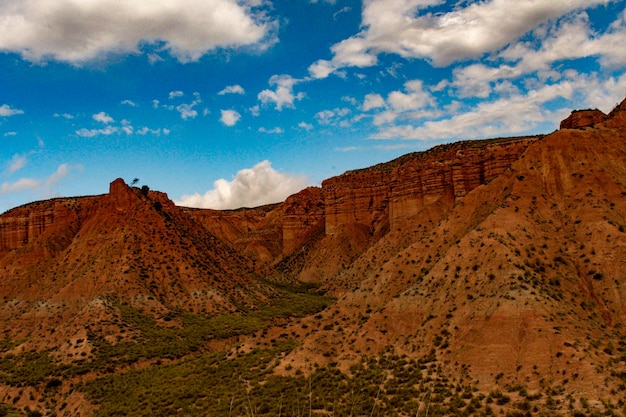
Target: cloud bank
[
  {"x": 77, "y": 31},
  {"x": 407, "y": 28},
  {"x": 251, "y": 187}
]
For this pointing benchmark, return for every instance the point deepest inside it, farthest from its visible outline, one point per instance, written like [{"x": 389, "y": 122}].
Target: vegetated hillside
[
  {"x": 519, "y": 283},
  {"x": 67, "y": 261},
  {"x": 475, "y": 278}
]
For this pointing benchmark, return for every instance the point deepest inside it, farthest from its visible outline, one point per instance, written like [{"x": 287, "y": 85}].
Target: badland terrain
[{"x": 476, "y": 278}]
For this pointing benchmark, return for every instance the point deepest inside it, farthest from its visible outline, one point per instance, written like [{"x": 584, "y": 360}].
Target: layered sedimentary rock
[
  {"x": 401, "y": 188},
  {"x": 356, "y": 197},
  {"x": 583, "y": 118},
  {"x": 303, "y": 215},
  {"x": 373, "y": 199},
  {"x": 23, "y": 225}
]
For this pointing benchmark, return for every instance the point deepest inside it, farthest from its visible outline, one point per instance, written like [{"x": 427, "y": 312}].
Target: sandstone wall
[
  {"x": 583, "y": 118},
  {"x": 303, "y": 214},
  {"x": 400, "y": 189}
]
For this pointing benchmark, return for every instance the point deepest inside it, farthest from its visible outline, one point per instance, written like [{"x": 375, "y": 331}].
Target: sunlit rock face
[{"x": 583, "y": 118}]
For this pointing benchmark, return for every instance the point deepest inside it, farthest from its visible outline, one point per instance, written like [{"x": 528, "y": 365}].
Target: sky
[{"x": 231, "y": 103}]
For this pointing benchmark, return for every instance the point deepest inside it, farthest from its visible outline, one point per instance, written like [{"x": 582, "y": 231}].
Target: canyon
[{"x": 502, "y": 260}]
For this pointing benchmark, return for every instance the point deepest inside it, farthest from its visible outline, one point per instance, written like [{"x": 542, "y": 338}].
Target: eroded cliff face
[
  {"x": 371, "y": 201},
  {"x": 583, "y": 118},
  {"x": 386, "y": 195},
  {"x": 26, "y": 224},
  {"x": 304, "y": 213}
]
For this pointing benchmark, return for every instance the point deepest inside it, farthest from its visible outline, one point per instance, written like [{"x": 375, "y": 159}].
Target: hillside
[{"x": 477, "y": 277}]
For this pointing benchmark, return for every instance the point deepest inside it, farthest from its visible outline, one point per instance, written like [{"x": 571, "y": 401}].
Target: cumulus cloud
[
  {"x": 407, "y": 28},
  {"x": 186, "y": 110},
  {"x": 102, "y": 117},
  {"x": 251, "y": 187},
  {"x": 232, "y": 89},
  {"x": 570, "y": 38},
  {"x": 283, "y": 95},
  {"x": 373, "y": 101},
  {"x": 230, "y": 117},
  {"x": 305, "y": 126},
  {"x": 6, "y": 111},
  {"x": 518, "y": 112},
  {"x": 175, "y": 94},
  {"x": 76, "y": 31}
]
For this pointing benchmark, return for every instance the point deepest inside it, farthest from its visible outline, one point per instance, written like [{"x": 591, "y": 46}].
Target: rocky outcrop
[
  {"x": 303, "y": 214},
  {"x": 24, "y": 225},
  {"x": 583, "y": 118},
  {"x": 256, "y": 232},
  {"x": 387, "y": 194}
]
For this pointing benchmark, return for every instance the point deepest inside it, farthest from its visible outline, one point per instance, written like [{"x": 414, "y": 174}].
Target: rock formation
[
  {"x": 583, "y": 118},
  {"x": 501, "y": 260}
]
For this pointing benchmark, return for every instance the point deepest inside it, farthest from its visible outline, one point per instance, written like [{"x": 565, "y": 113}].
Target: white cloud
[
  {"x": 334, "y": 116},
  {"x": 129, "y": 103},
  {"x": 102, "y": 117},
  {"x": 567, "y": 39},
  {"x": 232, "y": 89},
  {"x": 6, "y": 111},
  {"x": 42, "y": 187},
  {"x": 66, "y": 116},
  {"x": 351, "y": 52},
  {"x": 156, "y": 132},
  {"x": 283, "y": 96},
  {"x": 77, "y": 31},
  {"x": 252, "y": 187},
  {"x": 230, "y": 117},
  {"x": 408, "y": 29},
  {"x": 373, "y": 101},
  {"x": 515, "y": 114},
  {"x": 10, "y": 134},
  {"x": 274, "y": 131},
  {"x": 23, "y": 184},
  {"x": 90, "y": 133},
  {"x": 414, "y": 98},
  {"x": 17, "y": 162},
  {"x": 305, "y": 126},
  {"x": 186, "y": 111},
  {"x": 175, "y": 94}
]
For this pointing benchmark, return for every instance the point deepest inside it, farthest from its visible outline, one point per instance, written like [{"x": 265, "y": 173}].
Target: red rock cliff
[
  {"x": 23, "y": 225},
  {"x": 583, "y": 118},
  {"x": 397, "y": 190}
]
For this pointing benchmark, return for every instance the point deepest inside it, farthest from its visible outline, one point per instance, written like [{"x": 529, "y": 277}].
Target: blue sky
[{"x": 226, "y": 103}]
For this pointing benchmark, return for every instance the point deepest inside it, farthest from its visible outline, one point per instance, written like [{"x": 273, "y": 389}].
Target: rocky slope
[
  {"x": 64, "y": 262},
  {"x": 501, "y": 260},
  {"x": 520, "y": 281}
]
